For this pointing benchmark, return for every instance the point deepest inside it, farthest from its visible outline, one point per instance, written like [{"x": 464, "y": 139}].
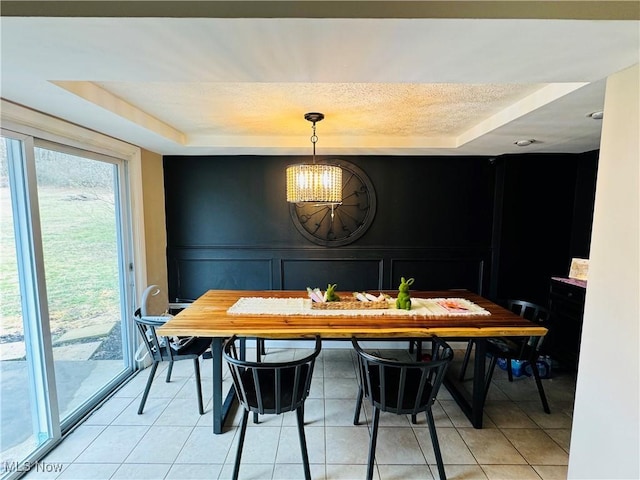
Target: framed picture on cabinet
[{"x": 579, "y": 268}]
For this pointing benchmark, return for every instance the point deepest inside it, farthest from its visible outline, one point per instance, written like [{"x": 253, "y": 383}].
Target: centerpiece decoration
[
  {"x": 329, "y": 300},
  {"x": 404, "y": 298}
]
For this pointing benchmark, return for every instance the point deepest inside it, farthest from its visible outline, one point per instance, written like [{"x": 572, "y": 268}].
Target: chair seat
[
  {"x": 291, "y": 396},
  {"x": 169, "y": 354},
  {"x": 410, "y": 403},
  {"x": 503, "y": 345},
  {"x": 197, "y": 347}
]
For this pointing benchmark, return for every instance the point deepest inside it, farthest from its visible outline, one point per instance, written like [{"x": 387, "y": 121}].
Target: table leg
[
  {"x": 220, "y": 408},
  {"x": 472, "y": 407},
  {"x": 478, "y": 396},
  {"x": 216, "y": 356}
]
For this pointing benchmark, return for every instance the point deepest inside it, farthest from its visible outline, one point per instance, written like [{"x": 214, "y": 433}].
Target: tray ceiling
[{"x": 423, "y": 86}]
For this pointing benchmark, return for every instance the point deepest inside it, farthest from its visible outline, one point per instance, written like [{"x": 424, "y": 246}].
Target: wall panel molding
[{"x": 196, "y": 269}]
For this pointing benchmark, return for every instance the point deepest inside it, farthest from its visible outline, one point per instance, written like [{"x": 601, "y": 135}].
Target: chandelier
[{"x": 314, "y": 182}]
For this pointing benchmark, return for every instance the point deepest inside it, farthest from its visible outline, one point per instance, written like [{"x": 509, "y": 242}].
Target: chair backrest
[
  {"x": 158, "y": 347},
  {"x": 403, "y": 387},
  {"x": 269, "y": 387},
  {"x": 534, "y": 312},
  {"x": 530, "y": 311}
]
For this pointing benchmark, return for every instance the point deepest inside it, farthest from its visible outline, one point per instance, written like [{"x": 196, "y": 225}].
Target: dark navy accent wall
[
  {"x": 229, "y": 226},
  {"x": 544, "y": 220},
  {"x": 583, "y": 205}
]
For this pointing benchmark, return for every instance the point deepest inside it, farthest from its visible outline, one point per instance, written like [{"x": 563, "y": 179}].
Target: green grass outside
[{"x": 81, "y": 261}]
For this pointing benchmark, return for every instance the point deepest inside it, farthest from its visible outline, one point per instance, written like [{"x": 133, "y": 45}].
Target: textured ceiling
[
  {"x": 388, "y": 85},
  {"x": 361, "y": 109}
]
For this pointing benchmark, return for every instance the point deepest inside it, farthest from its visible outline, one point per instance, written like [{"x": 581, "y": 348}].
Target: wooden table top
[{"x": 207, "y": 317}]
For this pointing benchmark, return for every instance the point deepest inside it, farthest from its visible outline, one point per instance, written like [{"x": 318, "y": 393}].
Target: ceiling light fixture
[
  {"x": 524, "y": 143},
  {"x": 596, "y": 115},
  {"x": 314, "y": 182}
]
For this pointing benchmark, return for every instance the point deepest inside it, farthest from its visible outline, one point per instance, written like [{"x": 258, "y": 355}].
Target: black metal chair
[
  {"x": 515, "y": 348},
  {"x": 403, "y": 388},
  {"x": 165, "y": 349},
  {"x": 271, "y": 388},
  {"x": 154, "y": 305}
]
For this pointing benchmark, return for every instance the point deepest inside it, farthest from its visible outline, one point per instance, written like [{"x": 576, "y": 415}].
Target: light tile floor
[{"x": 170, "y": 440}]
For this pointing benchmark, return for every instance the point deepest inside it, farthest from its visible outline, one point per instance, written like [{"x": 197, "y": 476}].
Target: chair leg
[
  {"x": 356, "y": 417},
  {"x": 196, "y": 369},
  {"x": 487, "y": 383},
  {"x": 436, "y": 444},
  {"x": 418, "y": 350},
  {"x": 410, "y": 346},
  {"x": 543, "y": 397},
  {"x": 154, "y": 367},
  {"x": 465, "y": 360},
  {"x": 509, "y": 369},
  {"x": 259, "y": 353},
  {"x": 243, "y": 431},
  {"x": 303, "y": 443},
  {"x": 169, "y": 370},
  {"x": 372, "y": 443}
]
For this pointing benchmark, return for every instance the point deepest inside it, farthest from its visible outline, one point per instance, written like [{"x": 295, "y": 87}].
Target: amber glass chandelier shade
[{"x": 314, "y": 183}]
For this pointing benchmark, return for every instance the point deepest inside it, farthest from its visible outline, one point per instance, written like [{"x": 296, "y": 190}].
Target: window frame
[{"x": 33, "y": 129}]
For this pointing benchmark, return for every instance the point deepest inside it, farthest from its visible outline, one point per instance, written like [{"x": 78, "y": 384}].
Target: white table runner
[{"x": 420, "y": 307}]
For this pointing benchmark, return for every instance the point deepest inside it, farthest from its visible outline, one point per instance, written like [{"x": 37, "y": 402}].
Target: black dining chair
[
  {"x": 167, "y": 349},
  {"x": 403, "y": 388},
  {"x": 271, "y": 388},
  {"x": 515, "y": 348}
]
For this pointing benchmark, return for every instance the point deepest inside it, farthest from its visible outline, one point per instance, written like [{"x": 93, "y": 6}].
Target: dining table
[{"x": 290, "y": 314}]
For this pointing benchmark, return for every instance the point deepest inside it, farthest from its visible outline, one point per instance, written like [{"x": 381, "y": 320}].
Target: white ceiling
[{"x": 393, "y": 86}]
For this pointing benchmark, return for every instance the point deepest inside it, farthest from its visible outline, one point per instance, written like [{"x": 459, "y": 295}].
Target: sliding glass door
[
  {"x": 64, "y": 339},
  {"x": 79, "y": 203},
  {"x": 26, "y": 420}
]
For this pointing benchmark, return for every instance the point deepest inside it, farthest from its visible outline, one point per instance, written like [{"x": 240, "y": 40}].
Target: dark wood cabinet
[{"x": 566, "y": 305}]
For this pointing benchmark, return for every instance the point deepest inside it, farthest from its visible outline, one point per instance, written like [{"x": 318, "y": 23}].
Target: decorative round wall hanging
[{"x": 335, "y": 225}]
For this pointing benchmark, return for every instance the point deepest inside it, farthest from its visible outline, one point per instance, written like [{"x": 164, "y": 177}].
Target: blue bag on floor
[{"x": 518, "y": 367}]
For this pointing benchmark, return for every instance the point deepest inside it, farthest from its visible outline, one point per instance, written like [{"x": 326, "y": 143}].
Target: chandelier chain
[{"x": 314, "y": 139}]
